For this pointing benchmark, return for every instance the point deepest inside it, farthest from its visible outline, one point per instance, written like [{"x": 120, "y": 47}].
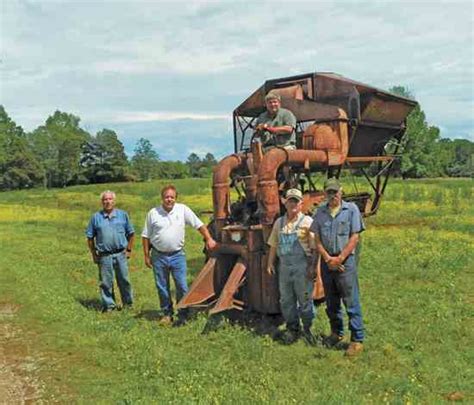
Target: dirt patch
[{"x": 19, "y": 383}]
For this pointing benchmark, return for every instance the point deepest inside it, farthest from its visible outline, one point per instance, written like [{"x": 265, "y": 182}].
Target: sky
[{"x": 173, "y": 72}]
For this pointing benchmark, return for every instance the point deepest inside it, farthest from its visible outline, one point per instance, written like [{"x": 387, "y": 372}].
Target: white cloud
[
  {"x": 147, "y": 116},
  {"x": 130, "y": 61}
]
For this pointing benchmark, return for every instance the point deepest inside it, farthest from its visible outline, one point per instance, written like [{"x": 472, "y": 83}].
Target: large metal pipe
[
  {"x": 221, "y": 188},
  {"x": 268, "y": 197}
]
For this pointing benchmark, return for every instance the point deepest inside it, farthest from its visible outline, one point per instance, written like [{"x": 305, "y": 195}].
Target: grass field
[{"x": 416, "y": 276}]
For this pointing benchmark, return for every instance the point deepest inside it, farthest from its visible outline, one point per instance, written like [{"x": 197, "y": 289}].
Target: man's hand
[
  {"x": 335, "y": 264},
  {"x": 210, "y": 244},
  {"x": 95, "y": 257},
  {"x": 148, "y": 261},
  {"x": 334, "y": 261},
  {"x": 264, "y": 127},
  {"x": 128, "y": 253},
  {"x": 270, "y": 269}
]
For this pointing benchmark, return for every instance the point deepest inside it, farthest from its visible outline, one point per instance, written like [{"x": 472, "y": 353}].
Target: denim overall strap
[{"x": 287, "y": 241}]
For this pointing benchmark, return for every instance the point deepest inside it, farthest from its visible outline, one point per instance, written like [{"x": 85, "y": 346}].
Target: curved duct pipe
[
  {"x": 221, "y": 188},
  {"x": 268, "y": 197}
]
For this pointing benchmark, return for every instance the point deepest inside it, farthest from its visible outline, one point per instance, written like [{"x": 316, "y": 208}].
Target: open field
[{"x": 416, "y": 275}]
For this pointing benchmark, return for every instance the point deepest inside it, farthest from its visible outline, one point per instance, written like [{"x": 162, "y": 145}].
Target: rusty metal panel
[
  {"x": 202, "y": 288},
  {"x": 311, "y": 200},
  {"x": 385, "y": 111},
  {"x": 253, "y": 105},
  {"x": 255, "y": 240},
  {"x": 370, "y": 141},
  {"x": 270, "y": 291},
  {"x": 318, "y": 289},
  {"x": 254, "y": 281},
  {"x": 226, "y": 299},
  {"x": 224, "y": 264},
  {"x": 307, "y": 110}
]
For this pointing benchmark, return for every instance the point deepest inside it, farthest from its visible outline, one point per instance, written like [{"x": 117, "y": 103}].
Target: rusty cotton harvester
[{"x": 340, "y": 124}]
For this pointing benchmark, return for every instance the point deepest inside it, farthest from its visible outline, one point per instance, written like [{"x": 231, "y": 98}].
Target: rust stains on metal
[
  {"x": 226, "y": 299},
  {"x": 202, "y": 288}
]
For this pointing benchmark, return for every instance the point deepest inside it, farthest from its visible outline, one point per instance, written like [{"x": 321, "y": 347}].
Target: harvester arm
[
  {"x": 202, "y": 288},
  {"x": 226, "y": 300}
]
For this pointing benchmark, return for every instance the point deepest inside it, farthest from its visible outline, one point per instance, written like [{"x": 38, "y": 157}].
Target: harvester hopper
[{"x": 341, "y": 124}]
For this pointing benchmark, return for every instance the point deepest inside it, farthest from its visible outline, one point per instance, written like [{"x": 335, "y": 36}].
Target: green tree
[
  {"x": 145, "y": 160},
  {"x": 457, "y": 157},
  {"x": 103, "y": 158},
  {"x": 58, "y": 146},
  {"x": 194, "y": 164},
  {"x": 421, "y": 149},
  {"x": 172, "y": 170},
  {"x": 18, "y": 166}
]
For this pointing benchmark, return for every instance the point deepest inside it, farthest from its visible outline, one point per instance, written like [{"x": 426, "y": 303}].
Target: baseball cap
[
  {"x": 271, "y": 95},
  {"x": 294, "y": 193},
  {"x": 332, "y": 184}
]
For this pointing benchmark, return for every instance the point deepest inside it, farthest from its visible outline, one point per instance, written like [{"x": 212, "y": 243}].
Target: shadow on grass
[
  {"x": 92, "y": 304},
  {"x": 259, "y": 324},
  {"x": 149, "y": 315}
]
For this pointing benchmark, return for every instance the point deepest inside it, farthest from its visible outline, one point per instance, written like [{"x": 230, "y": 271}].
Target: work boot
[
  {"x": 181, "y": 321},
  {"x": 165, "y": 320},
  {"x": 354, "y": 349},
  {"x": 309, "y": 338},
  {"x": 289, "y": 336},
  {"x": 332, "y": 341}
]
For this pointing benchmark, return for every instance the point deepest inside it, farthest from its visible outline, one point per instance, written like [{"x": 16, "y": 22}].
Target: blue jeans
[
  {"x": 343, "y": 288},
  {"x": 296, "y": 290},
  {"x": 107, "y": 266},
  {"x": 163, "y": 266}
]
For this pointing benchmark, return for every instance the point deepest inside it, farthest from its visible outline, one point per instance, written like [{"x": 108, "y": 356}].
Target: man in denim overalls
[
  {"x": 290, "y": 240},
  {"x": 336, "y": 226}
]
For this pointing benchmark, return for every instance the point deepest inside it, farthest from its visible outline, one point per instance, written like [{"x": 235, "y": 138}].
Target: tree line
[{"x": 60, "y": 153}]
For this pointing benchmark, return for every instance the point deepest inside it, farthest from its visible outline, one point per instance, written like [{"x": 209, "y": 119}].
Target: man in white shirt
[{"x": 163, "y": 243}]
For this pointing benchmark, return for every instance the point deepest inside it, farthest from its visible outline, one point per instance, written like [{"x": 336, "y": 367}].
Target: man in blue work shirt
[
  {"x": 110, "y": 237},
  {"x": 336, "y": 227}
]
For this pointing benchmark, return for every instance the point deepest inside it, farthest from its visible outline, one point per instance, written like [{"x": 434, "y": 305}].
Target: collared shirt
[
  {"x": 283, "y": 117},
  {"x": 166, "y": 229},
  {"x": 111, "y": 231},
  {"x": 289, "y": 227},
  {"x": 334, "y": 232}
]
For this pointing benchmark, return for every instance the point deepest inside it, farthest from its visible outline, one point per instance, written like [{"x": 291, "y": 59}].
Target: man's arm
[
  {"x": 271, "y": 260},
  {"x": 320, "y": 248},
  {"x": 210, "y": 242},
  {"x": 146, "y": 252},
  {"x": 131, "y": 241},
  {"x": 349, "y": 248},
  {"x": 91, "y": 245},
  {"x": 281, "y": 130},
  {"x": 333, "y": 262}
]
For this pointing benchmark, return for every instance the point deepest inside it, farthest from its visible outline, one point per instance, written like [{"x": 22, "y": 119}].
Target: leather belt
[
  {"x": 167, "y": 253},
  {"x": 111, "y": 252}
]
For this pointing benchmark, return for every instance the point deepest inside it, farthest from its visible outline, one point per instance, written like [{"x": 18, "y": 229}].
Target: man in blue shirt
[
  {"x": 110, "y": 237},
  {"x": 336, "y": 226}
]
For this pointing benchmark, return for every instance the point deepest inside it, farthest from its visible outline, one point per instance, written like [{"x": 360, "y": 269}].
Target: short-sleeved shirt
[
  {"x": 283, "y": 117},
  {"x": 166, "y": 229},
  {"x": 289, "y": 227},
  {"x": 334, "y": 232},
  {"x": 111, "y": 231}
]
